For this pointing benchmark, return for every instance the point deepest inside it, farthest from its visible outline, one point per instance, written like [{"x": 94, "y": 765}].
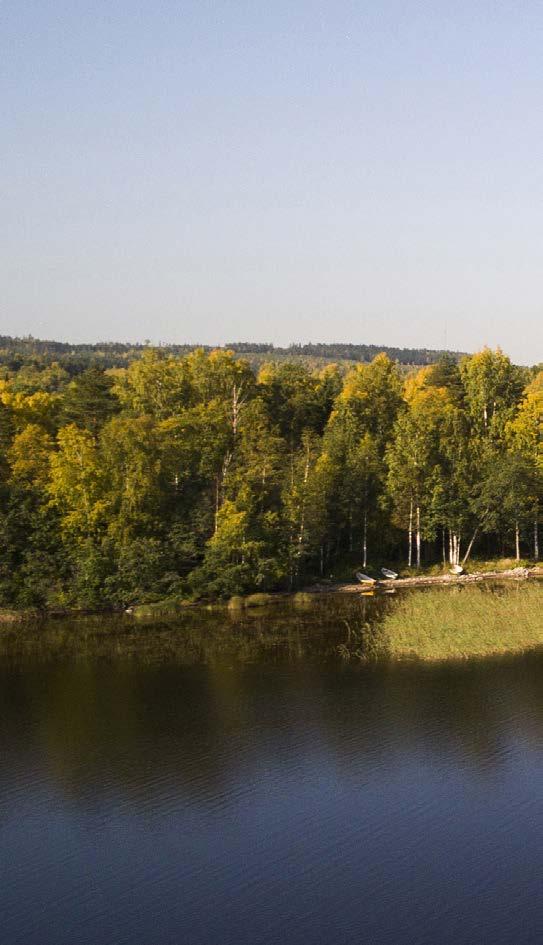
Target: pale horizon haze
[{"x": 289, "y": 172}]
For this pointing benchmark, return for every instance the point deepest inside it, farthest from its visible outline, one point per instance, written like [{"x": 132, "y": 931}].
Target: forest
[
  {"x": 198, "y": 477},
  {"x": 19, "y": 353}
]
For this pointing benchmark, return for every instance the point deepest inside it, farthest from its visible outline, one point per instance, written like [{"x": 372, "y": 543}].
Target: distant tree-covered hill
[
  {"x": 16, "y": 352},
  {"x": 342, "y": 351}
]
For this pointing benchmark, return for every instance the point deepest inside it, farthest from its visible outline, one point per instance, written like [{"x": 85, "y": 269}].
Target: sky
[{"x": 368, "y": 172}]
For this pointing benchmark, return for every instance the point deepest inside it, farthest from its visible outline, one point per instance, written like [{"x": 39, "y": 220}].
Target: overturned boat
[
  {"x": 390, "y": 575},
  {"x": 456, "y": 569},
  {"x": 364, "y": 578}
]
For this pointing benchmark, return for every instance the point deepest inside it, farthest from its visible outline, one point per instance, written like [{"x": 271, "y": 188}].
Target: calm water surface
[{"x": 216, "y": 781}]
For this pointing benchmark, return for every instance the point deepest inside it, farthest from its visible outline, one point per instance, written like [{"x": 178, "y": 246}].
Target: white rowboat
[
  {"x": 391, "y": 575},
  {"x": 364, "y": 578}
]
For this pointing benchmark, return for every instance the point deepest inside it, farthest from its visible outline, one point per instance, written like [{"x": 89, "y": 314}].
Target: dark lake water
[{"x": 214, "y": 781}]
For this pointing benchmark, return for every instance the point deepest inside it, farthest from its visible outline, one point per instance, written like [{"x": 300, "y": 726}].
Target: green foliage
[
  {"x": 142, "y": 570},
  {"x": 190, "y": 477},
  {"x": 239, "y": 555},
  {"x": 89, "y": 401}
]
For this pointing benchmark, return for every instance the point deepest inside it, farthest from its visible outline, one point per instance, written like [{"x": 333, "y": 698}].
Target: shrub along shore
[{"x": 171, "y": 606}]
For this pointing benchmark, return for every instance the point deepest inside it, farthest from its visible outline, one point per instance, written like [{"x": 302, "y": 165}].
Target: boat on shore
[
  {"x": 364, "y": 578},
  {"x": 390, "y": 575}
]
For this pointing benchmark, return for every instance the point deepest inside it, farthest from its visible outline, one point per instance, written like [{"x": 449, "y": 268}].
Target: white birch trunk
[
  {"x": 235, "y": 409},
  {"x": 470, "y": 546},
  {"x": 410, "y": 547},
  {"x": 217, "y": 503},
  {"x": 301, "y": 532},
  {"x": 237, "y": 403},
  {"x": 454, "y": 552}
]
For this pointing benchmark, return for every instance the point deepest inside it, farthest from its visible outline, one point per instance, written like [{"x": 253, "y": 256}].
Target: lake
[{"x": 223, "y": 778}]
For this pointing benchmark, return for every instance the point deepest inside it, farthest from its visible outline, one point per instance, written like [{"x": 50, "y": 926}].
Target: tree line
[
  {"x": 194, "y": 476},
  {"x": 27, "y": 354}
]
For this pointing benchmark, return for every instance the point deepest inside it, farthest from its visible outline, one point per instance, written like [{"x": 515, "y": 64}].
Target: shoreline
[
  {"x": 517, "y": 574},
  {"x": 10, "y": 616}
]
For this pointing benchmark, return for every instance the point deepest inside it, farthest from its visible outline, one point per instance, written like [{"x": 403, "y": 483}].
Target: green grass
[
  {"x": 239, "y": 601},
  {"x": 464, "y": 622},
  {"x": 162, "y": 608},
  {"x": 498, "y": 564}
]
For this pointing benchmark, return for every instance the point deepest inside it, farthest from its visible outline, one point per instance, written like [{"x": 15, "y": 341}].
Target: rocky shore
[{"x": 518, "y": 574}]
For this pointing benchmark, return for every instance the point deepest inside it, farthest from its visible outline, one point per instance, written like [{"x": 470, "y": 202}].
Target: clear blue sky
[{"x": 285, "y": 171}]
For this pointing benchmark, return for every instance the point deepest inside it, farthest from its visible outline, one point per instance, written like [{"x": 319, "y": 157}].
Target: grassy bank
[
  {"x": 468, "y": 622},
  {"x": 16, "y": 616}
]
